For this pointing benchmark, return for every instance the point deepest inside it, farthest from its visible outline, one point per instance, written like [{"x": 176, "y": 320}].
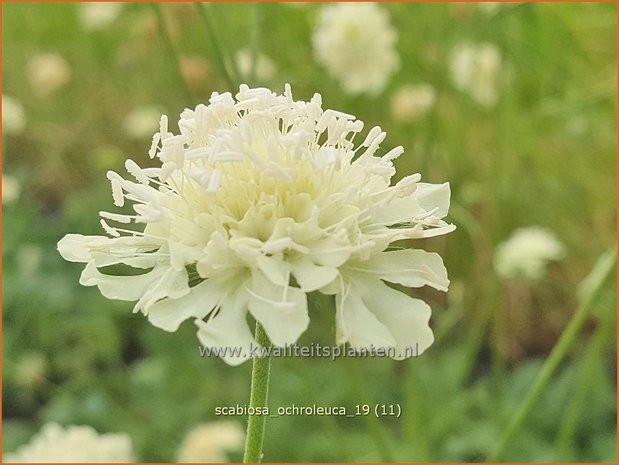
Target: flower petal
[
  {"x": 406, "y": 318},
  {"x": 83, "y": 249},
  {"x": 397, "y": 210},
  {"x": 229, "y": 330},
  {"x": 172, "y": 283},
  {"x": 431, "y": 196},
  {"x": 120, "y": 287},
  {"x": 311, "y": 276},
  {"x": 74, "y": 247},
  {"x": 275, "y": 269},
  {"x": 282, "y": 310},
  {"x": 410, "y": 267},
  {"x": 357, "y": 325},
  {"x": 168, "y": 314}
]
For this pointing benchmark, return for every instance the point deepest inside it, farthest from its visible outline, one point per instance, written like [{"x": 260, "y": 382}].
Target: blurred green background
[{"x": 544, "y": 154}]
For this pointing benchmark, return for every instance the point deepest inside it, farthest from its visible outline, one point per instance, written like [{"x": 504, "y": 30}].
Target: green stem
[
  {"x": 566, "y": 341},
  {"x": 258, "y": 399},
  {"x": 578, "y": 401},
  {"x": 169, "y": 46},
  {"x": 212, "y": 37}
]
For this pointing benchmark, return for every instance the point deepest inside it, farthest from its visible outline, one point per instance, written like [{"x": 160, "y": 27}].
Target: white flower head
[
  {"x": 265, "y": 68},
  {"x": 356, "y": 44},
  {"x": 11, "y": 189},
  {"x": 411, "y": 102},
  {"x": 28, "y": 259},
  {"x": 492, "y": 8},
  {"x": 211, "y": 442},
  {"x": 73, "y": 444},
  {"x": 258, "y": 201},
  {"x": 48, "y": 72},
  {"x": 475, "y": 69},
  {"x": 94, "y": 16},
  {"x": 13, "y": 115},
  {"x": 526, "y": 253},
  {"x": 30, "y": 370}
]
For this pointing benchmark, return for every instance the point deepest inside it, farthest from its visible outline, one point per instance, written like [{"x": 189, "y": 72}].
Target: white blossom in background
[
  {"x": 48, "y": 72},
  {"x": 10, "y": 189},
  {"x": 196, "y": 71},
  {"x": 211, "y": 442},
  {"x": 411, "y": 102},
  {"x": 526, "y": 253},
  {"x": 142, "y": 121},
  {"x": 265, "y": 68},
  {"x": 13, "y": 115},
  {"x": 258, "y": 201},
  {"x": 492, "y": 8},
  {"x": 28, "y": 258},
  {"x": 476, "y": 70},
  {"x": 73, "y": 444},
  {"x": 93, "y": 16},
  {"x": 356, "y": 43},
  {"x": 30, "y": 370}
]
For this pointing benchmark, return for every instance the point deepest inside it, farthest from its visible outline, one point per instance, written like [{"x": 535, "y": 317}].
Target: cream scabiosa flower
[
  {"x": 526, "y": 253},
  {"x": 356, "y": 44},
  {"x": 258, "y": 201},
  {"x": 73, "y": 444},
  {"x": 476, "y": 70},
  {"x": 211, "y": 442}
]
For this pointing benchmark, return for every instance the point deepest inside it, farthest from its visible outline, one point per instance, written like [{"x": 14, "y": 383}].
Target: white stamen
[
  {"x": 133, "y": 169},
  {"x": 116, "y": 217},
  {"x": 393, "y": 153},
  {"x": 108, "y": 229},
  {"x": 214, "y": 182}
]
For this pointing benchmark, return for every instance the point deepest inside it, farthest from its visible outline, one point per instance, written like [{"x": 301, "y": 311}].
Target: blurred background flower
[
  {"x": 475, "y": 69},
  {"x": 211, "y": 442},
  {"x": 73, "y": 444},
  {"x": 355, "y": 42},
  {"x": 94, "y": 16},
  {"x": 526, "y": 253},
  {"x": 13, "y": 115},
  {"x": 48, "y": 72},
  {"x": 411, "y": 102}
]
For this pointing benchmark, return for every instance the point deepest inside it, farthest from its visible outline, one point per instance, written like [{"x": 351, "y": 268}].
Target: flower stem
[
  {"x": 567, "y": 339},
  {"x": 258, "y": 399}
]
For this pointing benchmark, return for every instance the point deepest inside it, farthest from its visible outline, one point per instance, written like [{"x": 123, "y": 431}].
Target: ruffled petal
[
  {"x": 168, "y": 314},
  {"x": 406, "y": 318},
  {"x": 107, "y": 251},
  {"x": 357, "y": 325},
  {"x": 431, "y": 196},
  {"x": 397, "y": 210},
  {"x": 311, "y": 276},
  {"x": 120, "y": 287},
  {"x": 172, "y": 283},
  {"x": 228, "y": 330},
  {"x": 275, "y": 269},
  {"x": 282, "y": 310},
  {"x": 409, "y": 267},
  {"x": 75, "y": 247}
]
